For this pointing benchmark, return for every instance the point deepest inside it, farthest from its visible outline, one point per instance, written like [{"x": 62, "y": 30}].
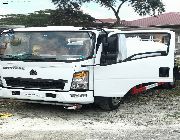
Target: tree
[
  {"x": 70, "y": 15},
  {"x": 142, "y": 7},
  {"x": 38, "y": 18}
]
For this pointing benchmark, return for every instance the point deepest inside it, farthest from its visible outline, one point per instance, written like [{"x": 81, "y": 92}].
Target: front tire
[{"x": 109, "y": 103}]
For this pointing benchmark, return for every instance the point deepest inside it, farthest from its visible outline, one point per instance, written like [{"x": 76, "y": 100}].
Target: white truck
[{"x": 72, "y": 66}]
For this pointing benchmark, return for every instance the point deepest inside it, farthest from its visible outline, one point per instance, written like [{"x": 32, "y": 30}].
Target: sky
[{"x": 95, "y": 10}]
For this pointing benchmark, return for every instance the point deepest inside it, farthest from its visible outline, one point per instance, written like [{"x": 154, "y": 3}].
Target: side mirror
[{"x": 105, "y": 46}]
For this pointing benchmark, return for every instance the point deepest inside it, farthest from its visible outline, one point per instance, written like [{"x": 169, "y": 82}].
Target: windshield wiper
[
  {"x": 20, "y": 56},
  {"x": 29, "y": 58},
  {"x": 32, "y": 57},
  {"x": 25, "y": 55},
  {"x": 39, "y": 59},
  {"x": 13, "y": 57}
]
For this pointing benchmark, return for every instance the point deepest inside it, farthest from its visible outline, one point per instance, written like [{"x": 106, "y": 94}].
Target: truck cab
[{"x": 73, "y": 65}]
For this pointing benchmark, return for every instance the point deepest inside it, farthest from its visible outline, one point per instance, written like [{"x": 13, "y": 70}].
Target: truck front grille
[{"x": 35, "y": 83}]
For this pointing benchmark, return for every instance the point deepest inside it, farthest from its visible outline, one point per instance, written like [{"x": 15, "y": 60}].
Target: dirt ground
[{"x": 149, "y": 116}]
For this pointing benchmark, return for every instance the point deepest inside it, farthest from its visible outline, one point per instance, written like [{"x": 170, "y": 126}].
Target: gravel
[{"x": 151, "y": 115}]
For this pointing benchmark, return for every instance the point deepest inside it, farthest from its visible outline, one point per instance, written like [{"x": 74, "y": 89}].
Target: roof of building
[
  {"x": 172, "y": 18},
  {"x": 111, "y": 21},
  {"x": 166, "y": 19}
]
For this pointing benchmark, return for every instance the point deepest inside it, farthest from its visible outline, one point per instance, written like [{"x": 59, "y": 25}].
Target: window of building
[{"x": 178, "y": 40}]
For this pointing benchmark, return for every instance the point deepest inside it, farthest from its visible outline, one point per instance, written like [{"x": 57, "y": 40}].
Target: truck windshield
[{"x": 46, "y": 45}]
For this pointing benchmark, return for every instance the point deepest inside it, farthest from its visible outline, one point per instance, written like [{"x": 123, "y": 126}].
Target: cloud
[
  {"x": 4, "y": 11},
  {"x": 171, "y": 5},
  {"x": 126, "y": 12},
  {"x": 21, "y": 7},
  {"x": 95, "y": 10}
]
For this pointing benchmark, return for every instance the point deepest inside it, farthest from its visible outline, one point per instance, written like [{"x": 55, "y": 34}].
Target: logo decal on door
[{"x": 33, "y": 72}]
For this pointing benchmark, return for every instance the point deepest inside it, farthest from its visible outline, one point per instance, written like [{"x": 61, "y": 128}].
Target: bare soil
[{"x": 152, "y": 115}]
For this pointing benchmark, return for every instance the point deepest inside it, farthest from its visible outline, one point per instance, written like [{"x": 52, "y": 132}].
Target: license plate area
[
  {"x": 51, "y": 95},
  {"x": 31, "y": 94}
]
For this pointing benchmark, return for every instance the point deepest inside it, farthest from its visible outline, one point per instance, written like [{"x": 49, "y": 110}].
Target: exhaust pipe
[{"x": 73, "y": 107}]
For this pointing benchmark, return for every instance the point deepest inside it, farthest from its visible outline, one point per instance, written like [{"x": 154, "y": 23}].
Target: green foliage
[
  {"x": 70, "y": 15},
  {"x": 38, "y": 18},
  {"x": 142, "y": 7},
  {"x": 151, "y": 7}
]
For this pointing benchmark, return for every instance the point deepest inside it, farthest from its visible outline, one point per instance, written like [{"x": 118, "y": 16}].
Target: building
[{"x": 167, "y": 20}]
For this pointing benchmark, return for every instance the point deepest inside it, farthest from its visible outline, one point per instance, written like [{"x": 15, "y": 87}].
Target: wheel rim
[{"x": 116, "y": 100}]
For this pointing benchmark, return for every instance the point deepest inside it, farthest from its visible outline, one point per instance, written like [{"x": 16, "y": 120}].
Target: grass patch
[{"x": 175, "y": 115}]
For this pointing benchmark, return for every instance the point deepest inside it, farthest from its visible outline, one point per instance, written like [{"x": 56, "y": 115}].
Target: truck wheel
[
  {"x": 170, "y": 85},
  {"x": 109, "y": 103}
]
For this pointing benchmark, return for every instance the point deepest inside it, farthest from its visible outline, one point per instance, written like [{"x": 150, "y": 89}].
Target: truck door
[{"x": 133, "y": 58}]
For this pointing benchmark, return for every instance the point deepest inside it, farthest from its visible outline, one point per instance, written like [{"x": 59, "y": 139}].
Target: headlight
[{"x": 80, "y": 81}]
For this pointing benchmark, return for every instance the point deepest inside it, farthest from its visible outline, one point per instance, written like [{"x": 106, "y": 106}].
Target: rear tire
[
  {"x": 109, "y": 103},
  {"x": 170, "y": 85}
]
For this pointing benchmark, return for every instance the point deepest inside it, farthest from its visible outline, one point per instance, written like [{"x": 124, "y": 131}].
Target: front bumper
[{"x": 65, "y": 97}]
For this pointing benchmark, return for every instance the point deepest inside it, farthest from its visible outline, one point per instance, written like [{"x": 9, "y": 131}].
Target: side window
[
  {"x": 178, "y": 39},
  {"x": 110, "y": 51},
  {"x": 143, "y": 45},
  {"x": 113, "y": 44}
]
